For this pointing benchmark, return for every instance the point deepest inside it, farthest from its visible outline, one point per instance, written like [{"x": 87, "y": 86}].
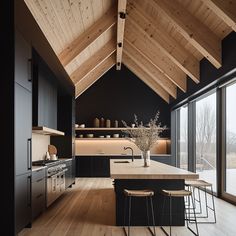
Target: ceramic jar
[
  {"x": 108, "y": 123},
  {"x": 96, "y": 123}
]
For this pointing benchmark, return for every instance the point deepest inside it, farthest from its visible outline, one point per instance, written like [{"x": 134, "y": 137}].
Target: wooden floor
[{"x": 88, "y": 209}]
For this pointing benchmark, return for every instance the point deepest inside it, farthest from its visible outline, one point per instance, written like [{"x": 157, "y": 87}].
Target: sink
[{"x": 121, "y": 161}]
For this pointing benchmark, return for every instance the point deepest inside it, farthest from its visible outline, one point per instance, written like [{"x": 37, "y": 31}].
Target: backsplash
[{"x": 39, "y": 146}]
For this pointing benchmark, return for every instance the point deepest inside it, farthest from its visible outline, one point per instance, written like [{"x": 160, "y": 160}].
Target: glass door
[
  {"x": 205, "y": 140},
  {"x": 182, "y": 138},
  {"x": 230, "y": 132}
]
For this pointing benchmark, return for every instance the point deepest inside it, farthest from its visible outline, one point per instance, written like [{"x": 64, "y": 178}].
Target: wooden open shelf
[
  {"x": 46, "y": 131},
  {"x": 97, "y": 129}
]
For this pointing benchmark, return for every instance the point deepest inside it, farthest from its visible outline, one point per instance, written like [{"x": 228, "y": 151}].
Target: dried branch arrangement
[{"x": 144, "y": 136}]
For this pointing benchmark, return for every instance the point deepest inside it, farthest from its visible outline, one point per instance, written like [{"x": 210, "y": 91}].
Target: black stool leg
[
  {"x": 195, "y": 219},
  {"x": 162, "y": 216},
  {"x": 153, "y": 219},
  {"x": 129, "y": 215},
  {"x": 125, "y": 215},
  {"x": 170, "y": 213},
  {"x": 213, "y": 205}
]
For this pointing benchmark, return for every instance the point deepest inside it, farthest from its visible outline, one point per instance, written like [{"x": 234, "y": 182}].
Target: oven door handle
[{"x": 58, "y": 173}]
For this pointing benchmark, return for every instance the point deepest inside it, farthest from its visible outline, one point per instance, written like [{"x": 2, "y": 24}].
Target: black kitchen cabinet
[
  {"x": 22, "y": 201},
  {"x": 23, "y": 129},
  {"x": 23, "y": 62},
  {"x": 92, "y": 166},
  {"x": 84, "y": 166},
  {"x": 22, "y": 133},
  {"x": 100, "y": 166},
  {"x": 38, "y": 192},
  {"x": 44, "y": 94}
]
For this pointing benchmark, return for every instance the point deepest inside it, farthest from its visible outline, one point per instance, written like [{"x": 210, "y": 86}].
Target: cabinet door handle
[
  {"x": 29, "y": 70},
  {"x": 39, "y": 180},
  {"x": 29, "y": 153},
  {"x": 40, "y": 195},
  {"x": 29, "y": 191}
]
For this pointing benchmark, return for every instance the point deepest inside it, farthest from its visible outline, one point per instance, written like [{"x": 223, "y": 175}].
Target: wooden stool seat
[
  {"x": 139, "y": 193},
  {"x": 197, "y": 183},
  {"x": 176, "y": 193}
]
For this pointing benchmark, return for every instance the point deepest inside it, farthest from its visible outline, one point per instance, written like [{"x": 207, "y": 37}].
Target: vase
[{"x": 145, "y": 155}]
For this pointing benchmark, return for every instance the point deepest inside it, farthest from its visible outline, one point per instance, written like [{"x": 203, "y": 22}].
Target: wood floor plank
[{"x": 88, "y": 209}]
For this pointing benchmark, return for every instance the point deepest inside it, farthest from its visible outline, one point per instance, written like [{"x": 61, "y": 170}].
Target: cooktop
[{"x": 44, "y": 162}]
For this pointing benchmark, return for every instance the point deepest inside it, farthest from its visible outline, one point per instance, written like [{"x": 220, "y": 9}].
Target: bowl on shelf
[
  {"x": 101, "y": 136},
  {"x": 108, "y": 136},
  {"x": 89, "y": 135},
  {"x": 82, "y": 126},
  {"x": 115, "y": 135}
]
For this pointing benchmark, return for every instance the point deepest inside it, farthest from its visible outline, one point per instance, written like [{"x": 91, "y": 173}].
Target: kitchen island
[{"x": 132, "y": 175}]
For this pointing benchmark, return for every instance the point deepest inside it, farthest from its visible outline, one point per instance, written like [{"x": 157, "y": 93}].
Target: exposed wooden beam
[
  {"x": 199, "y": 35},
  {"x": 225, "y": 9},
  {"x": 161, "y": 39},
  {"x": 149, "y": 49},
  {"x": 89, "y": 36},
  {"x": 94, "y": 75},
  {"x": 120, "y": 31},
  {"x": 145, "y": 77},
  {"x": 150, "y": 69},
  {"x": 93, "y": 62}
]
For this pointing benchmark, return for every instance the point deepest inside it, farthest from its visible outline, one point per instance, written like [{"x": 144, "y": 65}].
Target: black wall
[
  {"x": 7, "y": 113},
  {"x": 209, "y": 75},
  {"x": 118, "y": 95}
]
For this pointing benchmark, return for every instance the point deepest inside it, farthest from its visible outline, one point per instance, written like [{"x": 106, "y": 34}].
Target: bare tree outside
[{"x": 206, "y": 139}]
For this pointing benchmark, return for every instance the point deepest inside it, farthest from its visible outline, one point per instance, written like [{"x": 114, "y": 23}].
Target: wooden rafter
[
  {"x": 150, "y": 69},
  {"x": 94, "y": 75},
  {"x": 145, "y": 77},
  {"x": 120, "y": 31},
  {"x": 160, "y": 38},
  {"x": 93, "y": 62},
  {"x": 89, "y": 36},
  {"x": 199, "y": 35},
  {"x": 151, "y": 51},
  {"x": 225, "y": 9}
]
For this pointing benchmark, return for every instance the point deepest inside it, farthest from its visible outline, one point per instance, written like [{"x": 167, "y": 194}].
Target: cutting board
[{"x": 52, "y": 150}]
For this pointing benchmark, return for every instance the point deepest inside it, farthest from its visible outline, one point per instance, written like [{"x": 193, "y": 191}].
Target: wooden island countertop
[{"x": 157, "y": 170}]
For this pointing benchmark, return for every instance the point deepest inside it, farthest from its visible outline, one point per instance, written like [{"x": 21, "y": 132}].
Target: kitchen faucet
[{"x": 125, "y": 148}]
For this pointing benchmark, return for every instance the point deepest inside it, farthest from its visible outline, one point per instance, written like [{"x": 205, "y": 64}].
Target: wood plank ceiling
[{"x": 161, "y": 41}]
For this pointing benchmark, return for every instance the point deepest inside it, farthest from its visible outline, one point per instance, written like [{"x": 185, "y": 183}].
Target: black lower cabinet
[
  {"x": 100, "y": 167},
  {"x": 92, "y": 166},
  {"x": 38, "y": 192},
  {"x": 83, "y": 166},
  {"x": 22, "y": 201}
]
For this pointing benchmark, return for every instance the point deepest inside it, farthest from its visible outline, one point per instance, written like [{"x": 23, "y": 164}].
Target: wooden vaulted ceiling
[{"x": 161, "y": 41}]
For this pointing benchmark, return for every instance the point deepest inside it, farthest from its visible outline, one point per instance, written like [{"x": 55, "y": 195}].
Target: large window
[
  {"x": 182, "y": 148},
  {"x": 230, "y": 172},
  {"x": 205, "y": 150}
]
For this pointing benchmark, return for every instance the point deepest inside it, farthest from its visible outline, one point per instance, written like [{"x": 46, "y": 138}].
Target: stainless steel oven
[{"x": 55, "y": 182}]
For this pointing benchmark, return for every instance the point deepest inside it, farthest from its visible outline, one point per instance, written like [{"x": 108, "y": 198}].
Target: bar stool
[
  {"x": 203, "y": 185},
  {"x": 146, "y": 193},
  {"x": 175, "y": 194}
]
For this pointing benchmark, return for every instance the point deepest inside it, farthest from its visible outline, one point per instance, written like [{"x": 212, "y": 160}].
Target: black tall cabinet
[{"x": 23, "y": 132}]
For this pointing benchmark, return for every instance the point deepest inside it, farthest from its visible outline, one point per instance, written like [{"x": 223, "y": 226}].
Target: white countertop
[{"x": 157, "y": 170}]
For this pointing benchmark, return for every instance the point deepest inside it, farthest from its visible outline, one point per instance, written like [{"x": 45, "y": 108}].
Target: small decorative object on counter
[
  {"x": 96, "y": 123},
  {"x": 102, "y": 122},
  {"x": 116, "y": 124},
  {"x": 47, "y": 156},
  {"x": 108, "y": 123}
]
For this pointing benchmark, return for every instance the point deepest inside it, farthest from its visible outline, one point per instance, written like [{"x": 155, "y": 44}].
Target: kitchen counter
[
  {"x": 158, "y": 176},
  {"x": 121, "y": 154},
  {"x": 157, "y": 170}
]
